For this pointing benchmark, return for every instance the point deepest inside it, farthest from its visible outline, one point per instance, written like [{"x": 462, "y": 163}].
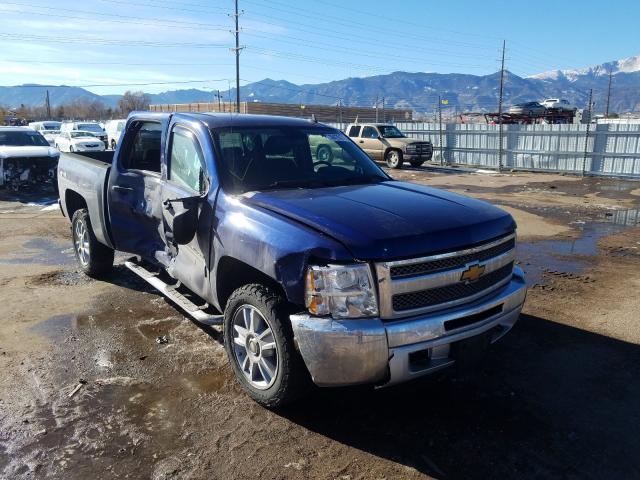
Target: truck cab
[
  {"x": 315, "y": 268},
  {"x": 384, "y": 142}
]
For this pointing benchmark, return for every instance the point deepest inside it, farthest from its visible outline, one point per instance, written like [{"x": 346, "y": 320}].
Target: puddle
[
  {"x": 156, "y": 329},
  {"x": 44, "y": 252},
  {"x": 56, "y": 327},
  {"x": 572, "y": 255}
]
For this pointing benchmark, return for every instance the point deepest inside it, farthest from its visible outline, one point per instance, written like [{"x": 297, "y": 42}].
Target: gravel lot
[{"x": 559, "y": 397}]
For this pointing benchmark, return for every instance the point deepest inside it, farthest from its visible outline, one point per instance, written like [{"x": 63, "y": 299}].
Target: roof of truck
[{"x": 224, "y": 120}]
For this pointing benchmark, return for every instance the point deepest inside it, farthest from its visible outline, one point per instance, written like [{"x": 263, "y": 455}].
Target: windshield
[
  {"x": 80, "y": 134},
  {"x": 22, "y": 139},
  {"x": 389, "y": 131},
  {"x": 292, "y": 157},
  {"x": 92, "y": 127},
  {"x": 120, "y": 125},
  {"x": 51, "y": 126}
]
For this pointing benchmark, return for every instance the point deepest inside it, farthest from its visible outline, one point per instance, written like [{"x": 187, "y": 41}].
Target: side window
[
  {"x": 369, "y": 132},
  {"x": 354, "y": 131},
  {"x": 186, "y": 161},
  {"x": 144, "y": 148}
]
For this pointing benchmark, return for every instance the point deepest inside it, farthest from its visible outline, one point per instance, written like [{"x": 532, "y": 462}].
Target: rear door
[
  {"x": 134, "y": 188},
  {"x": 370, "y": 142},
  {"x": 189, "y": 177}
]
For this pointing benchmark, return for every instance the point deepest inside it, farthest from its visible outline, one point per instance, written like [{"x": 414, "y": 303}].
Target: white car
[
  {"x": 558, "y": 104},
  {"x": 78, "y": 141},
  {"x": 93, "y": 127},
  {"x": 114, "y": 130},
  {"x": 26, "y": 159}
]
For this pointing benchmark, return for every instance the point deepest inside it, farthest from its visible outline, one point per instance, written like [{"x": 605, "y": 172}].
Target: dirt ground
[{"x": 87, "y": 392}]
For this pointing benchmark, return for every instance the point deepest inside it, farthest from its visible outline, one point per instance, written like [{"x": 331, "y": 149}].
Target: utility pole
[
  {"x": 384, "y": 116},
  {"x": 440, "y": 129},
  {"x": 376, "y": 108},
  {"x": 586, "y": 137},
  {"x": 606, "y": 114},
  {"x": 500, "y": 148},
  {"x": 47, "y": 105},
  {"x": 219, "y": 102},
  {"x": 237, "y": 50}
]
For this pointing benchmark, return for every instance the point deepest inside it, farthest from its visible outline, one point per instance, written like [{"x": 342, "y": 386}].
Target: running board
[{"x": 193, "y": 310}]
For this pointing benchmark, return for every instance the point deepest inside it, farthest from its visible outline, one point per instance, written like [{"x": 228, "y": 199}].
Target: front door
[
  {"x": 187, "y": 179},
  {"x": 370, "y": 142},
  {"x": 134, "y": 190}
]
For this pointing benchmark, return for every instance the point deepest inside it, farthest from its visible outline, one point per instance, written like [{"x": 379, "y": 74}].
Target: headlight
[{"x": 342, "y": 291}]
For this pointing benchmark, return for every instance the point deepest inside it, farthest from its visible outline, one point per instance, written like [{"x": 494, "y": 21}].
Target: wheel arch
[
  {"x": 73, "y": 201},
  {"x": 232, "y": 274}
]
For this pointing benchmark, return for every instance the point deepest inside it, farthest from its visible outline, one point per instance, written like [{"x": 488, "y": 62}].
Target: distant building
[{"x": 322, "y": 113}]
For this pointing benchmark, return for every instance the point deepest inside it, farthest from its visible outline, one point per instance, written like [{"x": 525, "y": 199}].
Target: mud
[{"x": 556, "y": 398}]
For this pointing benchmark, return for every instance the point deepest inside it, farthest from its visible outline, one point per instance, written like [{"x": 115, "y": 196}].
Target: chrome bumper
[{"x": 351, "y": 352}]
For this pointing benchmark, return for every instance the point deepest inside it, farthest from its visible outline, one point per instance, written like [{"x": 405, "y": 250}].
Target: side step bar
[{"x": 193, "y": 310}]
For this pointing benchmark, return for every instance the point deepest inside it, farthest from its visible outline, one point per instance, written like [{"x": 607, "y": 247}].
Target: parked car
[
  {"x": 333, "y": 273},
  {"x": 114, "y": 130},
  {"x": 528, "y": 108},
  {"x": 49, "y": 129},
  {"x": 48, "y": 125},
  {"x": 78, "y": 141},
  {"x": 26, "y": 159},
  {"x": 558, "y": 104},
  {"x": 93, "y": 127},
  {"x": 383, "y": 142}
]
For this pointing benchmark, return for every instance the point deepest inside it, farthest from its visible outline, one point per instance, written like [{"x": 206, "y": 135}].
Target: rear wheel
[
  {"x": 113, "y": 144},
  {"x": 393, "y": 158},
  {"x": 70, "y": 148},
  {"x": 259, "y": 343},
  {"x": 93, "y": 257}
]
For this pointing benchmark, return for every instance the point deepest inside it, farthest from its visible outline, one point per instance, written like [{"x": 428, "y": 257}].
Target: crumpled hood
[
  {"x": 390, "y": 220},
  {"x": 7, "y": 151}
]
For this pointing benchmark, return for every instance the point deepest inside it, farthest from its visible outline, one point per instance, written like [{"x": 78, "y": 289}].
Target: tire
[
  {"x": 393, "y": 158},
  {"x": 70, "y": 148},
  {"x": 94, "y": 258},
  {"x": 265, "y": 310},
  {"x": 417, "y": 164},
  {"x": 113, "y": 144},
  {"x": 324, "y": 153}
]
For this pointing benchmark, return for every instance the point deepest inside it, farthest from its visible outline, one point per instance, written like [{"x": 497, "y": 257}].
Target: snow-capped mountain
[{"x": 625, "y": 65}]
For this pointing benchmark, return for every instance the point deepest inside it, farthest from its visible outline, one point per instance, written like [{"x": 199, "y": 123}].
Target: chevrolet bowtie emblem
[{"x": 473, "y": 273}]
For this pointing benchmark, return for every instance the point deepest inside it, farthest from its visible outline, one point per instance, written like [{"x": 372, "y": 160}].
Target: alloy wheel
[{"x": 255, "y": 348}]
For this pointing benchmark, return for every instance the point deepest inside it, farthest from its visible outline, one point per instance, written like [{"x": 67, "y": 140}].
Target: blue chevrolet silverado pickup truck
[{"x": 317, "y": 269}]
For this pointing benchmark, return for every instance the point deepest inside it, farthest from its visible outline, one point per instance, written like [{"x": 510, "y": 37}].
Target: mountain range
[{"x": 418, "y": 91}]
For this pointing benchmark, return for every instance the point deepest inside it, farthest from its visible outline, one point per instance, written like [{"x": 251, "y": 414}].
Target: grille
[
  {"x": 457, "y": 291},
  {"x": 419, "y": 148},
  {"x": 29, "y": 159},
  {"x": 434, "y": 266}
]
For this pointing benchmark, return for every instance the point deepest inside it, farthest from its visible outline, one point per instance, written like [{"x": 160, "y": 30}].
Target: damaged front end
[{"x": 28, "y": 173}]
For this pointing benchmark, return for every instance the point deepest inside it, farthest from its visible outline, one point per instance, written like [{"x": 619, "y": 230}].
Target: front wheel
[
  {"x": 259, "y": 343},
  {"x": 393, "y": 159},
  {"x": 93, "y": 257},
  {"x": 70, "y": 148}
]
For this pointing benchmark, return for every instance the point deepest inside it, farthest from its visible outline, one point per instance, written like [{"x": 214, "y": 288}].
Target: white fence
[{"x": 611, "y": 149}]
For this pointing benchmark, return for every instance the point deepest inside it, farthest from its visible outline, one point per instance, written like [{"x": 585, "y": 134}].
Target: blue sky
[{"x": 163, "y": 42}]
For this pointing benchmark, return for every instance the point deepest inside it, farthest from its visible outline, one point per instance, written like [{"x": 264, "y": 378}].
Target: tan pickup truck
[{"x": 385, "y": 142}]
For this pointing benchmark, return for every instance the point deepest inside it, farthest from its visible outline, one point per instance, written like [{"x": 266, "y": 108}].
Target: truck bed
[{"x": 84, "y": 176}]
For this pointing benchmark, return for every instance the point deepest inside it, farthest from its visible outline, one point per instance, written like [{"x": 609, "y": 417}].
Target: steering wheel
[{"x": 322, "y": 162}]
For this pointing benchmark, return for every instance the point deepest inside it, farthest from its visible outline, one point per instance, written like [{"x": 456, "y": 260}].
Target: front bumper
[{"x": 360, "y": 351}]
